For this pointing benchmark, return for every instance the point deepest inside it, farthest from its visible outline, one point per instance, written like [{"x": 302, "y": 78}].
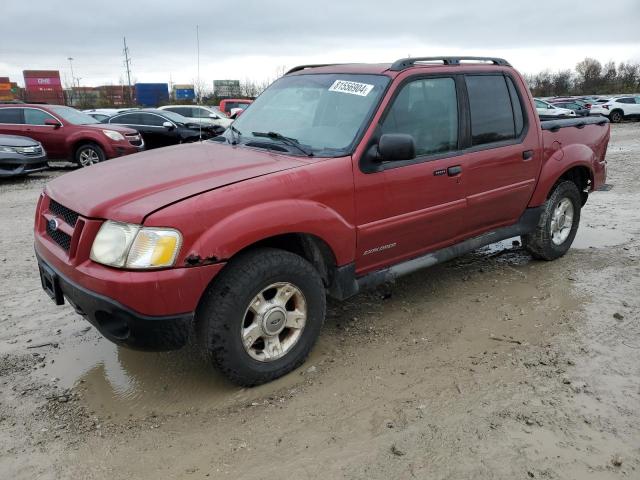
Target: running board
[{"x": 345, "y": 284}]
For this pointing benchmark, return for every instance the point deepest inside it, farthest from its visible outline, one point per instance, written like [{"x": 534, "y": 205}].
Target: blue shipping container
[
  {"x": 152, "y": 94},
  {"x": 185, "y": 94}
]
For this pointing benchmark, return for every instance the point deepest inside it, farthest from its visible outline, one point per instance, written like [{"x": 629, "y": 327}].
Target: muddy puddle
[
  {"x": 599, "y": 237},
  {"x": 120, "y": 382}
]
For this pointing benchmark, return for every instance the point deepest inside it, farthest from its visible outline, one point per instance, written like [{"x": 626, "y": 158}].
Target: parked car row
[
  {"x": 616, "y": 108},
  {"x": 161, "y": 128},
  {"x": 67, "y": 134},
  {"x": 32, "y": 134},
  {"x": 547, "y": 109}
]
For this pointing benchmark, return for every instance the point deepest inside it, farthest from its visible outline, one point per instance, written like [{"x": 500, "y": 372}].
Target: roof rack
[
  {"x": 303, "y": 67},
  {"x": 403, "y": 63}
]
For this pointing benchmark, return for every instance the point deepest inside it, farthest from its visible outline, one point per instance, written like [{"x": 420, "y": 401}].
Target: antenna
[
  {"x": 127, "y": 64},
  {"x": 198, "y": 78}
]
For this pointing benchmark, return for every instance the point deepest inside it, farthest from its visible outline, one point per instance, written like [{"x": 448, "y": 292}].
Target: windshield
[
  {"x": 73, "y": 116},
  {"x": 323, "y": 112}
]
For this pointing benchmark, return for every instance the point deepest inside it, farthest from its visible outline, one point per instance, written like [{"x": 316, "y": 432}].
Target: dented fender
[{"x": 227, "y": 236}]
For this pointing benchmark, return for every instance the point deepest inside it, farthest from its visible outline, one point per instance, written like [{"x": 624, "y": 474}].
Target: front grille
[
  {"x": 134, "y": 139},
  {"x": 68, "y": 215},
  {"x": 59, "y": 237}
]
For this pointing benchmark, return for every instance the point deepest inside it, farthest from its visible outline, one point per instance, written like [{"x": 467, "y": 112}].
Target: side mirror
[
  {"x": 52, "y": 122},
  {"x": 394, "y": 147},
  {"x": 214, "y": 116},
  {"x": 168, "y": 125}
]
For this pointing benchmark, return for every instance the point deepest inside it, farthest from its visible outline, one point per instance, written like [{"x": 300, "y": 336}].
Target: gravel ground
[{"x": 492, "y": 366}]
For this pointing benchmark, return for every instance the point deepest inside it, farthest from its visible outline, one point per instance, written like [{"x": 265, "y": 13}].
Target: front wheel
[
  {"x": 262, "y": 315},
  {"x": 616, "y": 116},
  {"x": 558, "y": 223},
  {"x": 89, "y": 154}
]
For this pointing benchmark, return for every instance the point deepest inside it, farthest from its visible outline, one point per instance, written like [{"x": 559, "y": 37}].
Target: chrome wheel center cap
[{"x": 273, "y": 321}]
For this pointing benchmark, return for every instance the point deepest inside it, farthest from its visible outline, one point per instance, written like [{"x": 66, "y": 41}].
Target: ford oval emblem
[{"x": 53, "y": 224}]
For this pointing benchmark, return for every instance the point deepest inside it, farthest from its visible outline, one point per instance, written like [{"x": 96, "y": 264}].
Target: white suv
[
  {"x": 618, "y": 108},
  {"x": 546, "y": 109},
  {"x": 200, "y": 114}
]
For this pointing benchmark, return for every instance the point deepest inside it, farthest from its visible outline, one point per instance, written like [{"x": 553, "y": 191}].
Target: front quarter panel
[{"x": 316, "y": 199}]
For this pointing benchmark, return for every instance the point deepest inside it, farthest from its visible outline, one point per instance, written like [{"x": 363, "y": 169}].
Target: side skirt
[{"x": 345, "y": 284}]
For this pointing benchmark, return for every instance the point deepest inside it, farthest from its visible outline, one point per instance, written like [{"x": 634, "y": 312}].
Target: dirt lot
[{"x": 492, "y": 366}]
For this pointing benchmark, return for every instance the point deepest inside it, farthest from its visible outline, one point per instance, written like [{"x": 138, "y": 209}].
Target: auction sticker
[{"x": 354, "y": 88}]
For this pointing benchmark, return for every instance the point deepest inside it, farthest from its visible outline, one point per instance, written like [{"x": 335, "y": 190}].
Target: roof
[{"x": 400, "y": 65}]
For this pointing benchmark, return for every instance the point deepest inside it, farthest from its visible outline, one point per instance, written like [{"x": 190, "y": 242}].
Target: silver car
[{"x": 21, "y": 155}]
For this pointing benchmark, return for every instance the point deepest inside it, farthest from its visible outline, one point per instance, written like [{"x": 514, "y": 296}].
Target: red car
[
  {"x": 68, "y": 134},
  {"x": 233, "y": 103},
  {"x": 338, "y": 178}
]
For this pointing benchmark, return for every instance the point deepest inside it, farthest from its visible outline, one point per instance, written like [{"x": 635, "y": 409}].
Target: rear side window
[
  {"x": 11, "y": 115},
  {"x": 184, "y": 111},
  {"x": 426, "y": 109},
  {"x": 492, "y": 116},
  {"x": 199, "y": 113},
  {"x": 151, "y": 120},
  {"x": 626, "y": 100},
  {"x": 516, "y": 106},
  {"x": 127, "y": 119}
]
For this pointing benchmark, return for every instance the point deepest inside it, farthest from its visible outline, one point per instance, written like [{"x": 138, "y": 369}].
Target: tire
[
  {"x": 88, "y": 154},
  {"x": 616, "y": 116},
  {"x": 226, "y": 318},
  {"x": 549, "y": 241}
]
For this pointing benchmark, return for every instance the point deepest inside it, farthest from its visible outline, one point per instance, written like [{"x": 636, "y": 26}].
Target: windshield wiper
[
  {"x": 235, "y": 133},
  {"x": 292, "y": 142}
]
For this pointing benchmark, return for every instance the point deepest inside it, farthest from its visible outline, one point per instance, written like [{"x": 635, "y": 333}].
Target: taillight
[{"x": 605, "y": 106}]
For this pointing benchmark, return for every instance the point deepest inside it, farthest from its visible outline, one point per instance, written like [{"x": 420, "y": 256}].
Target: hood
[
  {"x": 111, "y": 126},
  {"x": 129, "y": 188},
  {"x": 16, "y": 141}
]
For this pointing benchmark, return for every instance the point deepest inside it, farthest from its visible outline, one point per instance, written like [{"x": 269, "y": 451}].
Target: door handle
[
  {"x": 454, "y": 170},
  {"x": 527, "y": 155}
]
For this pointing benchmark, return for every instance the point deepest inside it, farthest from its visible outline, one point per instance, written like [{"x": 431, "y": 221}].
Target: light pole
[{"x": 72, "y": 77}]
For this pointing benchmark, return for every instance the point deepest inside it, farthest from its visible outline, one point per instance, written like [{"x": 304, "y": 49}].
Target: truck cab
[{"x": 338, "y": 178}]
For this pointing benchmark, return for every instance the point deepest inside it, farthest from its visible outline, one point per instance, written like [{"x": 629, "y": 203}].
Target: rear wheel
[
  {"x": 88, "y": 154},
  {"x": 558, "y": 223},
  {"x": 262, "y": 315},
  {"x": 616, "y": 116}
]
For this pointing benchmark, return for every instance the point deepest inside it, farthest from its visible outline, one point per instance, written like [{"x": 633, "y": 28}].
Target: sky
[{"x": 255, "y": 40}]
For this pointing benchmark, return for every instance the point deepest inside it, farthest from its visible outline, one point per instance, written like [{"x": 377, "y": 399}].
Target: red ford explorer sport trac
[{"x": 338, "y": 178}]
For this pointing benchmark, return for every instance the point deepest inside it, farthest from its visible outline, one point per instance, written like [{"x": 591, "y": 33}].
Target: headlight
[
  {"x": 132, "y": 246},
  {"x": 4, "y": 149},
  {"x": 113, "y": 135}
]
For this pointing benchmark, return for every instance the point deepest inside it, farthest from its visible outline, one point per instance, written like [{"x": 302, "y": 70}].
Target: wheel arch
[
  {"x": 556, "y": 169},
  {"x": 76, "y": 143},
  {"x": 309, "y": 246}
]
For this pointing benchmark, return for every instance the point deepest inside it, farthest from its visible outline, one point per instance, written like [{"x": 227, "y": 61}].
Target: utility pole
[
  {"x": 199, "y": 97},
  {"x": 127, "y": 64},
  {"x": 73, "y": 81}
]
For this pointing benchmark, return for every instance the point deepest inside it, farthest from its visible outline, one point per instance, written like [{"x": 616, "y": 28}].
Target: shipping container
[
  {"x": 116, "y": 95},
  {"x": 6, "y": 92},
  {"x": 152, "y": 94},
  {"x": 43, "y": 86},
  {"x": 184, "y": 94}
]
